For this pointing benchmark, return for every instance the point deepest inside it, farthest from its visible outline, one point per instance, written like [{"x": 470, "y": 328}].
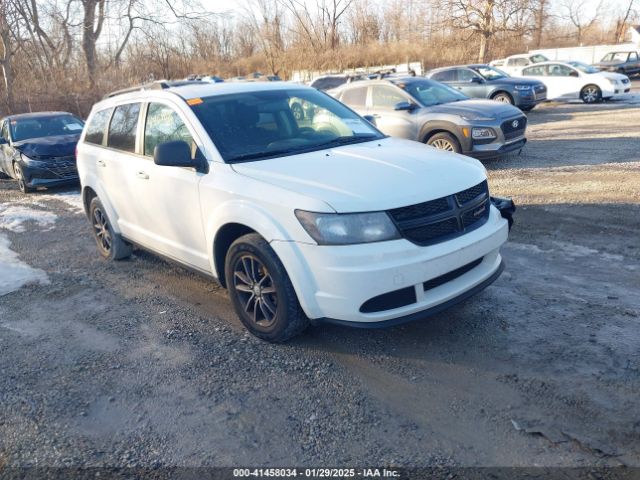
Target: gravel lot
[{"x": 142, "y": 363}]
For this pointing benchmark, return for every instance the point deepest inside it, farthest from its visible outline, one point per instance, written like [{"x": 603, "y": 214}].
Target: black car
[
  {"x": 38, "y": 149},
  {"x": 627, "y": 63},
  {"x": 485, "y": 81}
]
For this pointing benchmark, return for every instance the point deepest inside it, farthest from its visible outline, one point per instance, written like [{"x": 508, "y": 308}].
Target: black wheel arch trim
[{"x": 431, "y": 128}]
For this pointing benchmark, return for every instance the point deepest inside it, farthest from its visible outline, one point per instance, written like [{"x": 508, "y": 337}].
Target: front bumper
[
  {"x": 49, "y": 175},
  {"x": 336, "y": 282},
  {"x": 492, "y": 150}
]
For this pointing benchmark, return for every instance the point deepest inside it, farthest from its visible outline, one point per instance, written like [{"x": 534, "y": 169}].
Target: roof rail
[{"x": 157, "y": 85}]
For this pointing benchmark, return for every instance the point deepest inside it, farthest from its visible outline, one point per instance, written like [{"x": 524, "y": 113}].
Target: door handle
[
  {"x": 101, "y": 163},
  {"x": 142, "y": 175}
]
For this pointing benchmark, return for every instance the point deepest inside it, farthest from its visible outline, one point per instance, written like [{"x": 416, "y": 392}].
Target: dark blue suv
[{"x": 484, "y": 81}]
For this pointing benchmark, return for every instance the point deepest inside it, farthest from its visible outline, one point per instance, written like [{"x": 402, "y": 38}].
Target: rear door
[{"x": 397, "y": 123}]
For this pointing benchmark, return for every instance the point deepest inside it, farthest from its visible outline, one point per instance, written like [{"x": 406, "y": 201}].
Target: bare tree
[
  {"x": 266, "y": 19},
  {"x": 580, "y": 15},
  {"x": 8, "y": 27},
  {"x": 622, "y": 22}
]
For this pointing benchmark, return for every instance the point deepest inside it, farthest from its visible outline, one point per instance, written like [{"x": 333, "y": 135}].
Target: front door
[{"x": 397, "y": 123}]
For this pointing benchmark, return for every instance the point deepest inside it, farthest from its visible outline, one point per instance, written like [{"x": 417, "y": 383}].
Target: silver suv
[{"x": 420, "y": 109}]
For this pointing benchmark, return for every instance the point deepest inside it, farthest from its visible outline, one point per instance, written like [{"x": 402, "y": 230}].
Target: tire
[
  {"x": 110, "y": 244},
  {"x": 591, "y": 94},
  {"x": 445, "y": 141},
  {"x": 261, "y": 291},
  {"x": 22, "y": 185},
  {"x": 502, "y": 97},
  {"x": 297, "y": 111}
]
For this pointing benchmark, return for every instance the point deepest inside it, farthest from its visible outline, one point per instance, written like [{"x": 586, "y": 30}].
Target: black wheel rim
[
  {"x": 297, "y": 112},
  {"x": 256, "y": 291},
  {"x": 101, "y": 230}
]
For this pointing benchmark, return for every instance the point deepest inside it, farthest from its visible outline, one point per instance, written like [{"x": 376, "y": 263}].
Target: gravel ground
[{"x": 142, "y": 363}]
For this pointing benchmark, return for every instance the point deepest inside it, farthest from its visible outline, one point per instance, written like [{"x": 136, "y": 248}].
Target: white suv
[{"x": 321, "y": 220}]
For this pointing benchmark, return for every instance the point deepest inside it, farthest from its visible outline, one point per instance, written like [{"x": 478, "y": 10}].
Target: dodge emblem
[{"x": 515, "y": 124}]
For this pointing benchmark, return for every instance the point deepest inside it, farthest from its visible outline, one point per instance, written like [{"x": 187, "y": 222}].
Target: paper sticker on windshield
[
  {"x": 356, "y": 126},
  {"x": 74, "y": 126}
]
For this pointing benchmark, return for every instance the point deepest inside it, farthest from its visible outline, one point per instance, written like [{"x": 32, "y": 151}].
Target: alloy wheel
[
  {"x": 442, "y": 144},
  {"x": 101, "y": 230},
  {"x": 502, "y": 99},
  {"x": 590, "y": 95},
  {"x": 256, "y": 290}
]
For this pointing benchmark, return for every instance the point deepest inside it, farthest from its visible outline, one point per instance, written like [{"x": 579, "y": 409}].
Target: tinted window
[
  {"x": 538, "y": 71},
  {"x": 163, "y": 125},
  {"x": 122, "y": 130},
  {"x": 465, "y": 74},
  {"x": 518, "y": 62},
  {"x": 556, "y": 70},
  {"x": 5, "y": 131},
  {"x": 355, "y": 97},
  {"x": 386, "y": 97},
  {"x": 327, "y": 83},
  {"x": 97, "y": 127},
  {"x": 444, "y": 76}
]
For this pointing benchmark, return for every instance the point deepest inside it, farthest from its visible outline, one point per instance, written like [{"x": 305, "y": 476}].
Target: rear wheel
[
  {"x": 22, "y": 183},
  {"x": 110, "y": 244},
  {"x": 591, "y": 94},
  {"x": 261, "y": 291},
  {"x": 445, "y": 141},
  {"x": 503, "y": 97}
]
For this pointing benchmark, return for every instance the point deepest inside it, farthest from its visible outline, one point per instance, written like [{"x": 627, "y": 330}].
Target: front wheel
[
  {"x": 503, "y": 97},
  {"x": 261, "y": 291},
  {"x": 445, "y": 141},
  {"x": 110, "y": 245},
  {"x": 22, "y": 183},
  {"x": 591, "y": 94}
]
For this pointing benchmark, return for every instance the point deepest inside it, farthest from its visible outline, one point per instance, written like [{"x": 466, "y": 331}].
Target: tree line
[{"x": 67, "y": 53}]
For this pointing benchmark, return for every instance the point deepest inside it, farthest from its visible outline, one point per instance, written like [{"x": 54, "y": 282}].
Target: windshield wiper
[
  {"x": 257, "y": 155},
  {"x": 347, "y": 140}
]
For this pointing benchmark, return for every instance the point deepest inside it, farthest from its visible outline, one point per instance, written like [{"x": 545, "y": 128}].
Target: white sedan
[{"x": 569, "y": 80}]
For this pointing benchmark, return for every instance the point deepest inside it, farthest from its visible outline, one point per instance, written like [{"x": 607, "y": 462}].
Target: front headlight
[
  {"x": 31, "y": 162},
  {"x": 523, "y": 87},
  {"x": 483, "y": 133},
  {"x": 347, "y": 228}
]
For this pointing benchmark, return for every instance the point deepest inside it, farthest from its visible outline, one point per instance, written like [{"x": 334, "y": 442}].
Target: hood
[
  {"x": 610, "y": 75},
  {"x": 473, "y": 109},
  {"x": 57, "y": 146},
  {"x": 370, "y": 176}
]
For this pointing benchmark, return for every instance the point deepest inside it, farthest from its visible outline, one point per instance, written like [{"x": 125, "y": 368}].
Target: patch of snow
[
  {"x": 15, "y": 273},
  {"x": 12, "y": 217},
  {"x": 72, "y": 198}
]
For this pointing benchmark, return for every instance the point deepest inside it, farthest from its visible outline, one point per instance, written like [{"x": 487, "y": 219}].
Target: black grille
[
  {"x": 447, "y": 277},
  {"x": 514, "y": 128},
  {"x": 64, "y": 167},
  {"x": 444, "y": 218}
]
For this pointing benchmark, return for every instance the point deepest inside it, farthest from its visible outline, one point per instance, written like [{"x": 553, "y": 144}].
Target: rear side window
[
  {"x": 122, "y": 130},
  {"x": 97, "y": 127},
  {"x": 518, "y": 62},
  {"x": 444, "y": 76},
  {"x": 539, "y": 71},
  {"x": 355, "y": 97},
  {"x": 163, "y": 125}
]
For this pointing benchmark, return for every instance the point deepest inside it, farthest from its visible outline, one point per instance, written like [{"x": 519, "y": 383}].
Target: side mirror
[
  {"x": 371, "y": 119},
  {"x": 574, "y": 74},
  {"x": 405, "y": 105},
  {"x": 477, "y": 80},
  {"x": 177, "y": 153}
]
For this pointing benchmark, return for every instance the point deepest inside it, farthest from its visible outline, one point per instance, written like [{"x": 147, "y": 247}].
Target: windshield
[
  {"x": 537, "y": 58},
  {"x": 490, "y": 73},
  {"x": 272, "y": 123},
  {"x": 616, "y": 57},
  {"x": 34, "y": 127},
  {"x": 430, "y": 93},
  {"x": 583, "y": 67}
]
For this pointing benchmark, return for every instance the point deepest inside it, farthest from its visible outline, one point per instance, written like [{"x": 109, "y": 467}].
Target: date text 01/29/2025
[{"x": 315, "y": 472}]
